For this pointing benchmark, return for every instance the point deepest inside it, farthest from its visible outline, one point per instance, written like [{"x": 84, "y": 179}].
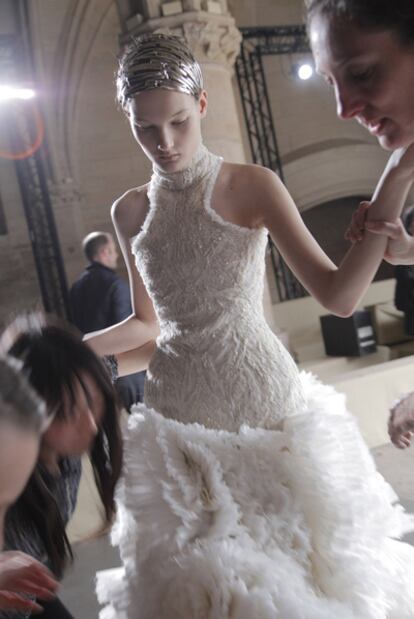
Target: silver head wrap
[
  {"x": 157, "y": 61},
  {"x": 20, "y": 405}
]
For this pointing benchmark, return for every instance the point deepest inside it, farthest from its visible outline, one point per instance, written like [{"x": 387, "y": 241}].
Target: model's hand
[
  {"x": 401, "y": 422},
  {"x": 21, "y": 574}
]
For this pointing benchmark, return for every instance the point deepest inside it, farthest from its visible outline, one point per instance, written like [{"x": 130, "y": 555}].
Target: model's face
[
  {"x": 372, "y": 75},
  {"x": 18, "y": 454},
  {"x": 72, "y": 434},
  {"x": 166, "y": 124}
]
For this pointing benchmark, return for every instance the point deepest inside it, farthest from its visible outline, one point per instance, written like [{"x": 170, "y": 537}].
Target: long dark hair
[
  {"x": 396, "y": 15},
  {"x": 53, "y": 359}
]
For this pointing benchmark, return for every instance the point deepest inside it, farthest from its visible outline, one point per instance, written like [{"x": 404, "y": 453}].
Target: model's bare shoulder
[
  {"x": 129, "y": 211},
  {"x": 247, "y": 174},
  {"x": 249, "y": 188}
]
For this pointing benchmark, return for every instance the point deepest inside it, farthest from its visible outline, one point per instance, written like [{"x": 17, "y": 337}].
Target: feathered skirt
[{"x": 258, "y": 524}]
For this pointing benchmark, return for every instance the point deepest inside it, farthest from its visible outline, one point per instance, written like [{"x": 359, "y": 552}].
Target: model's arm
[
  {"x": 135, "y": 360},
  {"x": 128, "y": 215},
  {"x": 340, "y": 288}
]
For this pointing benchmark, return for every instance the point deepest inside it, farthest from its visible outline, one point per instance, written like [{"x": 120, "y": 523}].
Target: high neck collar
[{"x": 199, "y": 167}]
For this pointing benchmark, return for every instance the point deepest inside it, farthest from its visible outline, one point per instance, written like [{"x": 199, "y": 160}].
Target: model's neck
[{"x": 199, "y": 166}]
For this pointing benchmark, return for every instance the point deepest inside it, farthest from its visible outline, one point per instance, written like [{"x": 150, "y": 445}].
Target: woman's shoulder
[
  {"x": 129, "y": 210},
  {"x": 248, "y": 181},
  {"x": 241, "y": 192},
  {"x": 247, "y": 173},
  {"x": 133, "y": 198}
]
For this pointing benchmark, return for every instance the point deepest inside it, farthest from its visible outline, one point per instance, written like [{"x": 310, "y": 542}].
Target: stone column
[{"x": 213, "y": 37}]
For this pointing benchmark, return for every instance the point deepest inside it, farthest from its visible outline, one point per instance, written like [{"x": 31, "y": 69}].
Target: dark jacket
[
  {"x": 98, "y": 299},
  {"x": 24, "y": 536},
  {"x": 404, "y": 295}
]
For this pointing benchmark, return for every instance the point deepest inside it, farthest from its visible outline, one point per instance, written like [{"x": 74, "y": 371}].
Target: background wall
[{"x": 94, "y": 157}]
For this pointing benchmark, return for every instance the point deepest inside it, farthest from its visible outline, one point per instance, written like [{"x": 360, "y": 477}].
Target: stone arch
[
  {"x": 66, "y": 51},
  {"x": 331, "y": 171}
]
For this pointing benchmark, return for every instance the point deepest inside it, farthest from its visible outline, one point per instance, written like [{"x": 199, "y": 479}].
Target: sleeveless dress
[{"x": 248, "y": 492}]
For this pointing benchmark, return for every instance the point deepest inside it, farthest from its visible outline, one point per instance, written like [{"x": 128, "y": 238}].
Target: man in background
[{"x": 100, "y": 298}]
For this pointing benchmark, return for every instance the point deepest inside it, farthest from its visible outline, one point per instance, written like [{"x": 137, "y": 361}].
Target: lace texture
[
  {"x": 275, "y": 509},
  {"x": 257, "y": 524},
  {"x": 217, "y": 361}
]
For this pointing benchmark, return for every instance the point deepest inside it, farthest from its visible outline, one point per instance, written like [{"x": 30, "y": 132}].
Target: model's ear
[{"x": 203, "y": 104}]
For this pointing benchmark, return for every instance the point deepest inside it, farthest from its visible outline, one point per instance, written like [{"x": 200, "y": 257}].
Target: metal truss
[
  {"x": 251, "y": 77},
  {"x": 35, "y": 180}
]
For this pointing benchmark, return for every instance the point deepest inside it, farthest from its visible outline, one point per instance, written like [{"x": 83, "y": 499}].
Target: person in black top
[
  {"x": 404, "y": 275},
  {"x": 100, "y": 298},
  {"x": 22, "y": 421},
  {"x": 81, "y": 407}
]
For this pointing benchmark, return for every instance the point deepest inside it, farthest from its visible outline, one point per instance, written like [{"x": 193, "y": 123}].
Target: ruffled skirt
[{"x": 259, "y": 524}]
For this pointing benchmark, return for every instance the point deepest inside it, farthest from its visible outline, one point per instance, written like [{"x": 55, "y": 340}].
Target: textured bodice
[{"x": 217, "y": 362}]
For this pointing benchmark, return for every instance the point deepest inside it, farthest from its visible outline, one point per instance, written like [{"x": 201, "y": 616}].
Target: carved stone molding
[
  {"x": 211, "y": 42},
  {"x": 211, "y": 38},
  {"x": 150, "y": 9}
]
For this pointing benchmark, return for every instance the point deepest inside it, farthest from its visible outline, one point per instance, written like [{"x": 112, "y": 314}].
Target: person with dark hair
[
  {"x": 365, "y": 50},
  {"x": 247, "y": 489},
  {"x": 404, "y": 275},
  {"x": 22, "y": 419},
  {"x": 83, "y": 417},
  {"x": 100, "y": 298}
]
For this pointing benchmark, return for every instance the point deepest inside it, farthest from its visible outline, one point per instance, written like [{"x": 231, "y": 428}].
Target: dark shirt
[
  {"x": 99, "y": 298},
  {"x": 404, "y": 295},
  {"x": 64, "y": 488}
]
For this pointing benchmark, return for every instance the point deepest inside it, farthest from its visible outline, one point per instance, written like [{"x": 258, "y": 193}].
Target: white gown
[{"x": 248, "y": 492}]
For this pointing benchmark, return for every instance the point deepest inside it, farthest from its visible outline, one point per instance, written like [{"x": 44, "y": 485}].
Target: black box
[{"x": 348, "y": 337}]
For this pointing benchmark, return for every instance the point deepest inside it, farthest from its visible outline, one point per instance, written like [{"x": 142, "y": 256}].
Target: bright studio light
[
  {"x": 10, "y": 93},
  {"x": 305, "y": 71}
]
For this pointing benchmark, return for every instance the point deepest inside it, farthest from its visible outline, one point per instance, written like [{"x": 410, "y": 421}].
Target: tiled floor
[{"x": 78, "y": 586}]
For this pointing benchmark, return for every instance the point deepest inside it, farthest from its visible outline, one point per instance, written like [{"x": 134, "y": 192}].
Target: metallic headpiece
[{"x": 157, "y": 61}]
